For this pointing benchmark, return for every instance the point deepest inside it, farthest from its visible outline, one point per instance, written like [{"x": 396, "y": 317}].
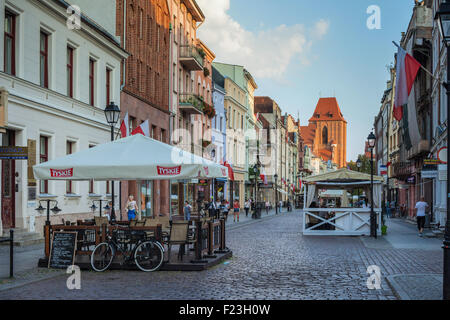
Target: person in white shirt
[{"x": 420, "y": 208}]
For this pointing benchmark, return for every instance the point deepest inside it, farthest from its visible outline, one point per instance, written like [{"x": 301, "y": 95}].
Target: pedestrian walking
[
  {"x": 187, "y": 211},
  {"x": 388, "y": 209},
  {"x": 420, "y": 208},
  {"x": 281, "y": 205},
  {"x": 131, "y": 208},
  {"x": 227, "y": 210},
  {"x": 236, "y": 208},
  {"x": 267, "y": 207},
  {"x": 247, "y": 205}
]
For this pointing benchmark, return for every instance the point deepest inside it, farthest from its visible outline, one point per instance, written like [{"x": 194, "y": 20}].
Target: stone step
[{"x": 24, "y": 238}]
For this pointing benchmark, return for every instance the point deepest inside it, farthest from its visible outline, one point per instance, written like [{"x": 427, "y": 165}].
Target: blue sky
[{"x": 349, "y": 61}]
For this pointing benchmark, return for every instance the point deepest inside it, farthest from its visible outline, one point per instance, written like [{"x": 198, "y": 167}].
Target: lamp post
[
  {"x": 443, "y": 15},
  {"x": 276, "y": 193},
  {"x": 41, "y": 210},
  {"x": 373, "y": 220},
  {"x": 256, "y": 171},
  {"x": 55, "y": 209},
  {"x": 112, "y": 114},
  {"x": 359, "y": 165},
  {"x": 94, "y": 207}
]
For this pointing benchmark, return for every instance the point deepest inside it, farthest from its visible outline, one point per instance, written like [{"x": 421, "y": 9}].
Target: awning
[
  {"x": 133, "y": 158},
  {"x": 343, "y": 175}
]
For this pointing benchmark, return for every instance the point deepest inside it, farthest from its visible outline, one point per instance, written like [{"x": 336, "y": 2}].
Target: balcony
[
  {"x": 401, "y": 170},
  {"x": 420, "y": 150},
  {"x": 190, "y": 103},
  {"x": 191, "y": 58}
]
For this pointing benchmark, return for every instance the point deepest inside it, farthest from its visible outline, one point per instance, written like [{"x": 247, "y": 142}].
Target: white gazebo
[
  {"x": 133, "y": 158},
  {"x": 346, "y": 220}
]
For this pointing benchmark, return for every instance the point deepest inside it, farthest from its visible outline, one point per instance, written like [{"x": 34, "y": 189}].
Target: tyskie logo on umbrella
[
  {"x": 169, "y": 171},
  {"x": 61, "y": 173},
  {"x": 206, "y": 170},
  {"x": 224, "y": 172}
]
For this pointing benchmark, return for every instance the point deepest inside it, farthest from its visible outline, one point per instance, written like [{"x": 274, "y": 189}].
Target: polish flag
[
  {"x": 230, "y": 170},
  {"x": 407, "y": 69},
  {"x": 300, "y": 184},
  {"x": 263, "y": 176},
  {"x": 257, "y": 117},
  {"x": 125, "y": 127},
  {"x": 143, "y": 129}
]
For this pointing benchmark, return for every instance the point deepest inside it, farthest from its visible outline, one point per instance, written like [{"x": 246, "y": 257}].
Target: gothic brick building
[{"x": 326, "y": 133}]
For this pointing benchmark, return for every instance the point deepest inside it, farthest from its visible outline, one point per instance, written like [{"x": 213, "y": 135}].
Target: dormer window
[{"x": 317, "y": 115}]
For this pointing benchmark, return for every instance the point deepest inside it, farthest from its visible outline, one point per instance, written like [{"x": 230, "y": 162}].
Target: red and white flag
[
  {"x": 125, "y": 127},
  {"x": 263, "y": 176},
  {"x": 230, "y": 170},
  {"x": 407, "y": 69},
  {"x": 300, "y": 184},
  {"x": 143, "y": 129},
  {"x": 257, "y": 117}
]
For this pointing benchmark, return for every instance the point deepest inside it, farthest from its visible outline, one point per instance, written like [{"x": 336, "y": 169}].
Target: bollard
[{"x": 11, "y": 253}]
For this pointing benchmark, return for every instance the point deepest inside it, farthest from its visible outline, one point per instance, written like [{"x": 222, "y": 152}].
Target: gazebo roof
[{"x": 343, "y": 175}]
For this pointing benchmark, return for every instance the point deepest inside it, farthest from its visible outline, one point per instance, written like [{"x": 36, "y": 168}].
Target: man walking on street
[{"x": 421, "y": 206}]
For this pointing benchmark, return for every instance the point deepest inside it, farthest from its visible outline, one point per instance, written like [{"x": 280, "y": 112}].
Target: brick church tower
[{"x": 330, "y": 134}]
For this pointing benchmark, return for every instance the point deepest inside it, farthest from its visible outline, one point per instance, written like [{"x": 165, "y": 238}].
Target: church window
[{"x": 325, "y": 135}]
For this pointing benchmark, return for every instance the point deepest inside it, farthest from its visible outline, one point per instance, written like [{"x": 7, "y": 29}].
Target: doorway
[{"x": 8, "y": 190}]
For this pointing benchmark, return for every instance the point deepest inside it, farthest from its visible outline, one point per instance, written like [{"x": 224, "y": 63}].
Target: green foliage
[{"x": 365, "y": 168}]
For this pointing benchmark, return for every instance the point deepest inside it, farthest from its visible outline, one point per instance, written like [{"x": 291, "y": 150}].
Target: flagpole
[{"x": 421, "y": 66}]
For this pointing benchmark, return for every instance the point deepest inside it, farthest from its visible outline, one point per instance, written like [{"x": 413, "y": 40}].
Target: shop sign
[
  {"x": 429, "y": 174},
  {"x": 411, "y": 180},
  {"x": 442, "y": 172},
  {"x": 203, "y": 182},
  {"x": 13, "y": 153},
  {"x": 442, "y": 155}
]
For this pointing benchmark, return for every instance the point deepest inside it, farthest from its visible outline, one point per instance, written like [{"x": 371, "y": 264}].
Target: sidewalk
[{"x": 402, "y": 234}]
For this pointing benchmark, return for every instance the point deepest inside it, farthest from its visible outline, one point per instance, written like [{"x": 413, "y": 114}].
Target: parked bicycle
[{"x": 147, "y": 254}]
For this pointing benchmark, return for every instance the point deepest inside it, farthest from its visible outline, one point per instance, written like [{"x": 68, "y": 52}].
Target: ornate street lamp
[
  {"x": 371, "y": 139},
  {"x": 112, "y": 114},
  {"x": 443, "y": 17},
  {"x": 55, "y": 209}
]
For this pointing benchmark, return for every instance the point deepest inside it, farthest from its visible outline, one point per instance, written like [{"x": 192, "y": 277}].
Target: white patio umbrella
[{"x": 133, "y": 158}]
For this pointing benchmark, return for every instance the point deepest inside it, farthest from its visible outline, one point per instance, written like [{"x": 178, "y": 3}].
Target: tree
[{"x": 365, "y": 167}]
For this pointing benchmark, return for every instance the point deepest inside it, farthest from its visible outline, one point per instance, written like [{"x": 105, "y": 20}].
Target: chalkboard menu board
[{"x": 62, "y": 251}]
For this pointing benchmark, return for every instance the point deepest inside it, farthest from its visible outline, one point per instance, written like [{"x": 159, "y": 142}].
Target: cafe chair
[{"x": 178, "y": 236}]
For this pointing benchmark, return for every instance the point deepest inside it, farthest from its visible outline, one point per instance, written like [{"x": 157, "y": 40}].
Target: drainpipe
[
  {"x": 123, "y": 85},
  {"x": 171, "y": 115}
]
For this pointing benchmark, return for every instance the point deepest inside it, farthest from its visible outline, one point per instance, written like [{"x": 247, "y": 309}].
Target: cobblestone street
[{"x": 271, "y": 260}]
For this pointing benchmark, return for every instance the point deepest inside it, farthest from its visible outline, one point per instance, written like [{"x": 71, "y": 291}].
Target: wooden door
[{"x": 8, "y": 190}]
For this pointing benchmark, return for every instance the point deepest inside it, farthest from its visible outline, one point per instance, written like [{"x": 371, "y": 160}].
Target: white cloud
[{"x": 266, "y": 53}]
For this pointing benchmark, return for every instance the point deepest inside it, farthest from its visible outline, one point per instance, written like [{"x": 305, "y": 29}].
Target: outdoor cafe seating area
[
  {"x": 189, "y": 245},
  {"x": 152, "y": 160}
]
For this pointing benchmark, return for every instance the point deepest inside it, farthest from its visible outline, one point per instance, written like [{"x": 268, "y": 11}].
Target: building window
[
  {"x": 69, "y": 150},
  {"x": 44, "y": 60},
  {"x": 108, "y": 86},
  {"x": 141, "y": 23},
  {"x": 70, "y": 72},
  {"x": 325, "y": 135},
  {"x": 91, "y": 81},
  {"x": 43, "y": 157},
  {"x": 10, "y": 44}
]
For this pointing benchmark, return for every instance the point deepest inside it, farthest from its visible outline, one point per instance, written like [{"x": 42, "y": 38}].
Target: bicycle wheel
[
  {"x": 149, "y": 256},
  {"x": 102, "y": 257}
]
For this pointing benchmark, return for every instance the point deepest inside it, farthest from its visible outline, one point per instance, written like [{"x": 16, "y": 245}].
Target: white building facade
[{"x": 58, "y": 82}]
